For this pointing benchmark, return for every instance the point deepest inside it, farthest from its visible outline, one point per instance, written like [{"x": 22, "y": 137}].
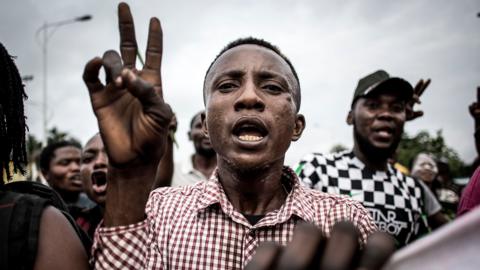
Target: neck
[
  {"x": 253, "y": 192},
  {"x": 371, "y": 161},
  {"x": 204, "y": 164}
]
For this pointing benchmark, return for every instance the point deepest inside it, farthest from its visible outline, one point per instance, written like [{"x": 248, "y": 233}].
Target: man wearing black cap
[{"x": 381, "y": 104}]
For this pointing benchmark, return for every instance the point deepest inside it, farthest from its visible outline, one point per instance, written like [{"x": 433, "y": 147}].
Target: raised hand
[
  {"x": 132, "y": 116},
  {"x": 310, "y": 250},
  {"x": 417, "y": 92},
  {"x": 475, "y": 107}
]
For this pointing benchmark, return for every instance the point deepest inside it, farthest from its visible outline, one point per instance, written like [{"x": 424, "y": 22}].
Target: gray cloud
[{"x": 331, "y": 43}]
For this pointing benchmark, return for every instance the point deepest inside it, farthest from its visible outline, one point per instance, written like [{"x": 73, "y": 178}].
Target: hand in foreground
[
  {"x": 133, "y": 118},
  {"x": 310, "y": 250},
  {"x": 417, "y": 92}
]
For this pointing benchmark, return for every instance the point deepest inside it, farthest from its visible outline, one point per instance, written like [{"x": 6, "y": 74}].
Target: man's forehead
[
  {"x": 67, "y": 152},
  {"x": 245, "y": 56}
]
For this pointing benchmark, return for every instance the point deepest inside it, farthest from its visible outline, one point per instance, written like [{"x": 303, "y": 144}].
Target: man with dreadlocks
[{"x": 32, "y": 233}]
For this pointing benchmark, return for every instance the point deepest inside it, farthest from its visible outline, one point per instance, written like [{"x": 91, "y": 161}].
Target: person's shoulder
[
  {"x": 187, "y": 190},
  {"x": 179, "y": 196},
  {"x": 319, "y": 198}
]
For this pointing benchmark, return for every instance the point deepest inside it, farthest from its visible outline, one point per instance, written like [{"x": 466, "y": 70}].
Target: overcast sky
[{"x": 331, "y": 44}]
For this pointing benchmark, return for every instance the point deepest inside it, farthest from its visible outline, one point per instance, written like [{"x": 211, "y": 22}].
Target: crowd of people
[{"x": 121, "y": 202}]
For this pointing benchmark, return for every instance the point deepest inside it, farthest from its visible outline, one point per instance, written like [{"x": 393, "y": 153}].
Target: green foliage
[
  {"x": 55, "y": 135},
  {"x": 34, "y": 145},
  {"x": 410, "y": 146}
]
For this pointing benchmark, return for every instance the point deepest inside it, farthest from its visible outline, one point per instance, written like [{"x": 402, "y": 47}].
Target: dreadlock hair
[
  {"x": 12, "y": 116},
  {"x": 265, "y": 44}
]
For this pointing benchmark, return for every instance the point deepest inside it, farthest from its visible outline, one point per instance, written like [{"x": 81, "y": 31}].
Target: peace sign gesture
[
  {"x": 132, "y": 116},
  {"x": 417, "y": 92}
]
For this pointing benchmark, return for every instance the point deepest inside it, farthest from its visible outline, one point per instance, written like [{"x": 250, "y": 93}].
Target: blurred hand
[
  {"x": 475, "y": 107},
  {"x": 132, "y": 115},
  {"x": 417, "y": 92},
  {"x": 310, "y": 250}
]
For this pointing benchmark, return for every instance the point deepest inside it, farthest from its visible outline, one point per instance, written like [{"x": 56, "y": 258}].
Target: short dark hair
[
  {"x": 12, "y": 117},
  {"x": 265, "y": 44},
  {"x": 195, "y": 117},
  {"x": 48, "y": 153}
]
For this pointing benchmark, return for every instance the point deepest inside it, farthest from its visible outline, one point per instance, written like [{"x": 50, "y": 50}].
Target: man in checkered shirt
[
  {"x": 380, "y": 107},
  {"x": 252, "y": 98}
]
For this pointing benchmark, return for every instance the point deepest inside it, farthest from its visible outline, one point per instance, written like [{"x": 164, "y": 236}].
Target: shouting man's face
[
  {"x": 94, "y": 169},
  {"x": 251, "y": 115},
  {"x": 378, "y": 122}
]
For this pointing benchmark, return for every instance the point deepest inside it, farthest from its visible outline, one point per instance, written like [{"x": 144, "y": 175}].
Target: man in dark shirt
[{"x": 381, "y": 104}]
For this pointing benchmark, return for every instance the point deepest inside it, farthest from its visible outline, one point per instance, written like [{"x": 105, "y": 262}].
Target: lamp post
[{"x": 48, "y": 30}]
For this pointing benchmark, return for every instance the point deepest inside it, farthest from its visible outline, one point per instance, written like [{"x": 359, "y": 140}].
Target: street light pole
[{"x": 45, "y": 37}]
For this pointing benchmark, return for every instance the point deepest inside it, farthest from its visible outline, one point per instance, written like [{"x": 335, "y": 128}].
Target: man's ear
[
  {"x": 350, "y": 118},
  {"x": 299, "y": 127},
  {"x": 204, "y": 125}
]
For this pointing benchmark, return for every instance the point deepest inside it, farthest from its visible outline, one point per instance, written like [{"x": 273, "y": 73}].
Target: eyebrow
[
  {"x": 90, "y": 150},
  {"x": 235, "y": 73},
  {"x": 267, "y": 74},
  {"x": 262, "y": 74}
]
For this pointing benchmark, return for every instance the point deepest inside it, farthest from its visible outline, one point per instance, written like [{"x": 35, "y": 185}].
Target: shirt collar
[
  {"x": 360, "y": 165},
  {"x": 297, "y": 202}
]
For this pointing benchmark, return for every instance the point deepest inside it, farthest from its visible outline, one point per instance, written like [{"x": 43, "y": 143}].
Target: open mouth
[
  {"x": 385, "y": 132},
  {"x": 250, "y": 130},
  {"x": 99, "y": 181}
]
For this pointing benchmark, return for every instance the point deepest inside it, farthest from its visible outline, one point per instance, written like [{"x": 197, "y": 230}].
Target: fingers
[
  {"x": 153, "y": 58},
  {"x": 265, "y": 257},
  {"x": 128, "y": 42},
  {"x": 306, "y": 245},
  {"x": 113, "y": 65},
  {"x": 341, "y": 248},
  {"x": 138, "y": 87},
  {"x": 424, "y": 86},
  {"x": 380, "y": 246},
  {"x": 90, "y": 75}
]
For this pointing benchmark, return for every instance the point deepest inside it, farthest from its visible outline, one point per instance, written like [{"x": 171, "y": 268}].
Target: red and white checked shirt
[{"x": 196, "y": 227}]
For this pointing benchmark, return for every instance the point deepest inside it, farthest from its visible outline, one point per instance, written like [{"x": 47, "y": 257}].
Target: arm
[
  {"x": 475, "y": 113},
  {"x": 59, "y": 246},
  {"x": 133, "y": 122},
  {"x": 132, "y": 117},
  {"x": 166, "y": 166},
  {"x": 432, "y": 208}
]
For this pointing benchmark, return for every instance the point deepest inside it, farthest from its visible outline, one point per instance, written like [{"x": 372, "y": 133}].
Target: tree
[
  {"x": 410, "y": 146},
  {"x": 55, "y": 135}
]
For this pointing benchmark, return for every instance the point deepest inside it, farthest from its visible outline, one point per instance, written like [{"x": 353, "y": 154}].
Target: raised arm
[
  {"x": 166, "y": 166},
  {"x": 475, "y": 112},
  {"x": 132, "y": 117}
]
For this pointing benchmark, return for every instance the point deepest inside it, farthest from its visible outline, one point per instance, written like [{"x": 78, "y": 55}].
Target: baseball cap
[{"x": 380, "y": 80}]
